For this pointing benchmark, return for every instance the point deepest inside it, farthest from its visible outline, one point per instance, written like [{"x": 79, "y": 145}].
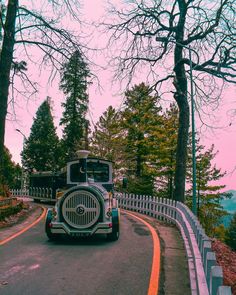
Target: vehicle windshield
[{"x": 99, "y": 172}]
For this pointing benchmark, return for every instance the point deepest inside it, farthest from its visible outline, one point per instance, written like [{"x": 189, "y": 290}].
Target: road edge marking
[
  {"x": 6, "y": 240},
  {"x": 155, "y": 273}
]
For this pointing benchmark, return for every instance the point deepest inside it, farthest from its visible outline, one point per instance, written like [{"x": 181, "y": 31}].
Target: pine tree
[
  {"x": 74, "y": 76},
  {"x": 41, "y": 151},
  {"x": 107, "y": 140},
  {"x": 164, "y": 152},
  {"x": 231, "y": 234},
  {"x": 140, "y": 115},
  {"x": 209, "y": 194},
  {"x": 12, "y": 173}
]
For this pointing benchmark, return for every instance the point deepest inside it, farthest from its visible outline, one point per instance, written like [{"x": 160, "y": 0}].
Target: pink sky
[{"x": 224, "y": 138}]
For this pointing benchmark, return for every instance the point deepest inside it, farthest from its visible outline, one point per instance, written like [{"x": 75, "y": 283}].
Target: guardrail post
[
  {"x": 210, "y": 262},
  {"x": 224, "y": 290},
  {"x": 216, "y": 279},
  {"x": 206, "y": 247}
]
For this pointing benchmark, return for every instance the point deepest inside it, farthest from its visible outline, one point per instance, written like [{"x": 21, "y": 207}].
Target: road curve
[{"x": 31, "y": 265}]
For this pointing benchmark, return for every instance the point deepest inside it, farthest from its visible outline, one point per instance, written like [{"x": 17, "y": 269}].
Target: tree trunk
[
  {"x": 181, "y": 98},
  {"x": 139, "y": 156},
  {"x": 138, "y": 165},
  {"x": 182, "y": 141},
  {"x": 181, "y": 153},
  {"x": 171, "y": 175},
  {"x": 6, "y": 56},
  {"x": 86, "y": 136}
]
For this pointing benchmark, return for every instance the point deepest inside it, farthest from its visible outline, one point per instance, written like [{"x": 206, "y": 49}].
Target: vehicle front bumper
[{"x": 63, "y": 228}]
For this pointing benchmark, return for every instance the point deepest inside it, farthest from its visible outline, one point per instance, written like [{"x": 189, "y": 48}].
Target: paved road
[{"x": 31, "y": 265}]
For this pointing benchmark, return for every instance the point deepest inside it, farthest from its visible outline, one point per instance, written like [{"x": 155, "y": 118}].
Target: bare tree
[
  {"x": 23, "y": 30},
  {"x": 159, "y": 35}
]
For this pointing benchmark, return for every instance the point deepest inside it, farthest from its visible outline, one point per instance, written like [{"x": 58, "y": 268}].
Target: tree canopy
[
  {"x": 170, "y": 40},
  {"x": 74, "y": 83},
  {"x": 41, "y": 150},
  {"x": 12, "y": 173},
  {"x": 25, "y": 30}
]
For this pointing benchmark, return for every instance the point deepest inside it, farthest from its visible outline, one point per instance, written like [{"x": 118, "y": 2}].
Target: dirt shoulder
[
  {"x": 22, "y": 219},
  {"x": 174, "y": 266},
  {"x": 226, "y": 258}
]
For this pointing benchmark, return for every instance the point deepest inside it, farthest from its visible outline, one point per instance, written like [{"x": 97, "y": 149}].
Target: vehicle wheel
[
  {"x": 48, "y": 231},
  {"x": 115, "y": 234}
]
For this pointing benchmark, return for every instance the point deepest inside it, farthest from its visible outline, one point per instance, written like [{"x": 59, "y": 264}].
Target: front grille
[{"x": 81, "y": 209}]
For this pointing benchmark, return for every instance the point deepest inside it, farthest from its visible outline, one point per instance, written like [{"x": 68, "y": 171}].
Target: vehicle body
[
  {"x": 87, "y": 206},
  {"x": 47, "y": 185},
  {"x": 43, "y": 186}
]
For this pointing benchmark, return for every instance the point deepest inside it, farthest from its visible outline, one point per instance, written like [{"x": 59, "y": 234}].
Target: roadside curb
[
  {"x": 174, "y": 268},
  {"x": 9, "y": 233}
]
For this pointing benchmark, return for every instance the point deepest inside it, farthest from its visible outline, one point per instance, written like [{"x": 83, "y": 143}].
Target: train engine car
[{"x": 88, "y": 206}]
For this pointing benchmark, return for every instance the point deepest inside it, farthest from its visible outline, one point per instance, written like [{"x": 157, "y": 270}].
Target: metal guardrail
[{"x": 206, "y": 277}]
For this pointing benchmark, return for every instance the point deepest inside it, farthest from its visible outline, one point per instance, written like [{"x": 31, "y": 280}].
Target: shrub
[{"x": 10, "y": 210}]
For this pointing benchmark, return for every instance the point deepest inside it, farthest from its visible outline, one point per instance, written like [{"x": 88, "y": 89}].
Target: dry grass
[{"x": 226, "y": 258}]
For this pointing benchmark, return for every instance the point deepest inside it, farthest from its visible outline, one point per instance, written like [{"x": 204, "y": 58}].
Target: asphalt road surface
[{"x": 32, "y": 265}]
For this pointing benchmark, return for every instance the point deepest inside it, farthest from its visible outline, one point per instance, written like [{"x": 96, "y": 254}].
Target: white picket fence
[
  {"x": 206, "y": 277},
  {"x": 37, "y": 193}
]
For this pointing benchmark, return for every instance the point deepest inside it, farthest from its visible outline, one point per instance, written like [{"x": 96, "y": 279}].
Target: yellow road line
[
  {"x": 24, "y": 229},
  {"x": 154, "y": 279}
]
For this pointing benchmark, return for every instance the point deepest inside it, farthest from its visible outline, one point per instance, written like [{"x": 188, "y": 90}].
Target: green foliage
[
  {"x": 164, "y": 152},
  {"x": 143, "y": 185},
  {"x": 220, "y": 233},
  {"x": 140, "y": 121},
  {"x": 74, "y": 75},
  {"x": 107, "y": 140},
  {"x": 10, "y": 210},
  {"x": 11, "y": 176},
  {"x": 140, "y": 116},
  {"x": 231, "y": 234},
  {"x": 41, "y": 151},
  {"x": 209, "y": 195}
]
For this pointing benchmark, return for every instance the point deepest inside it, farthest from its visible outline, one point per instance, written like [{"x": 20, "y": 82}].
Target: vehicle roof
[
  {"x": 44, "y": 173},
  {"x": 92, "y": 158}
]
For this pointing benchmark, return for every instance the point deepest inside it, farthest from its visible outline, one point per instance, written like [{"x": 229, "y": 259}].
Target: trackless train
[{"x": 85, "y": 203}]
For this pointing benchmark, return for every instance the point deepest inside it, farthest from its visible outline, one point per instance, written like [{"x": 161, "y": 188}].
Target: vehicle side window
[{"x": 74, "y": 172}]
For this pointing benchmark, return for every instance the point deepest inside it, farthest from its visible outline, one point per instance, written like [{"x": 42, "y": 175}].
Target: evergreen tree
[
  {"x": 164, "y": 152},
  {"x": 231, "y": 235},
  {"x": 74, "y": 84},
  {"x": 12, "y": 173},
  {"x": 108, "y": 141},
  {"x": 208, "y": 194},
  {"x": 41, "y": 151},
  {"x": 140, "y": 115}
]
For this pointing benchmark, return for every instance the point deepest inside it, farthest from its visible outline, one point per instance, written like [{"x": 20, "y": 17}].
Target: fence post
[
  {"x": 210, "y": 262},
  {"x": 224, "y": 290},
  {"x": 216, "y": 279},
  {"x": 206, "y": 247}
]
